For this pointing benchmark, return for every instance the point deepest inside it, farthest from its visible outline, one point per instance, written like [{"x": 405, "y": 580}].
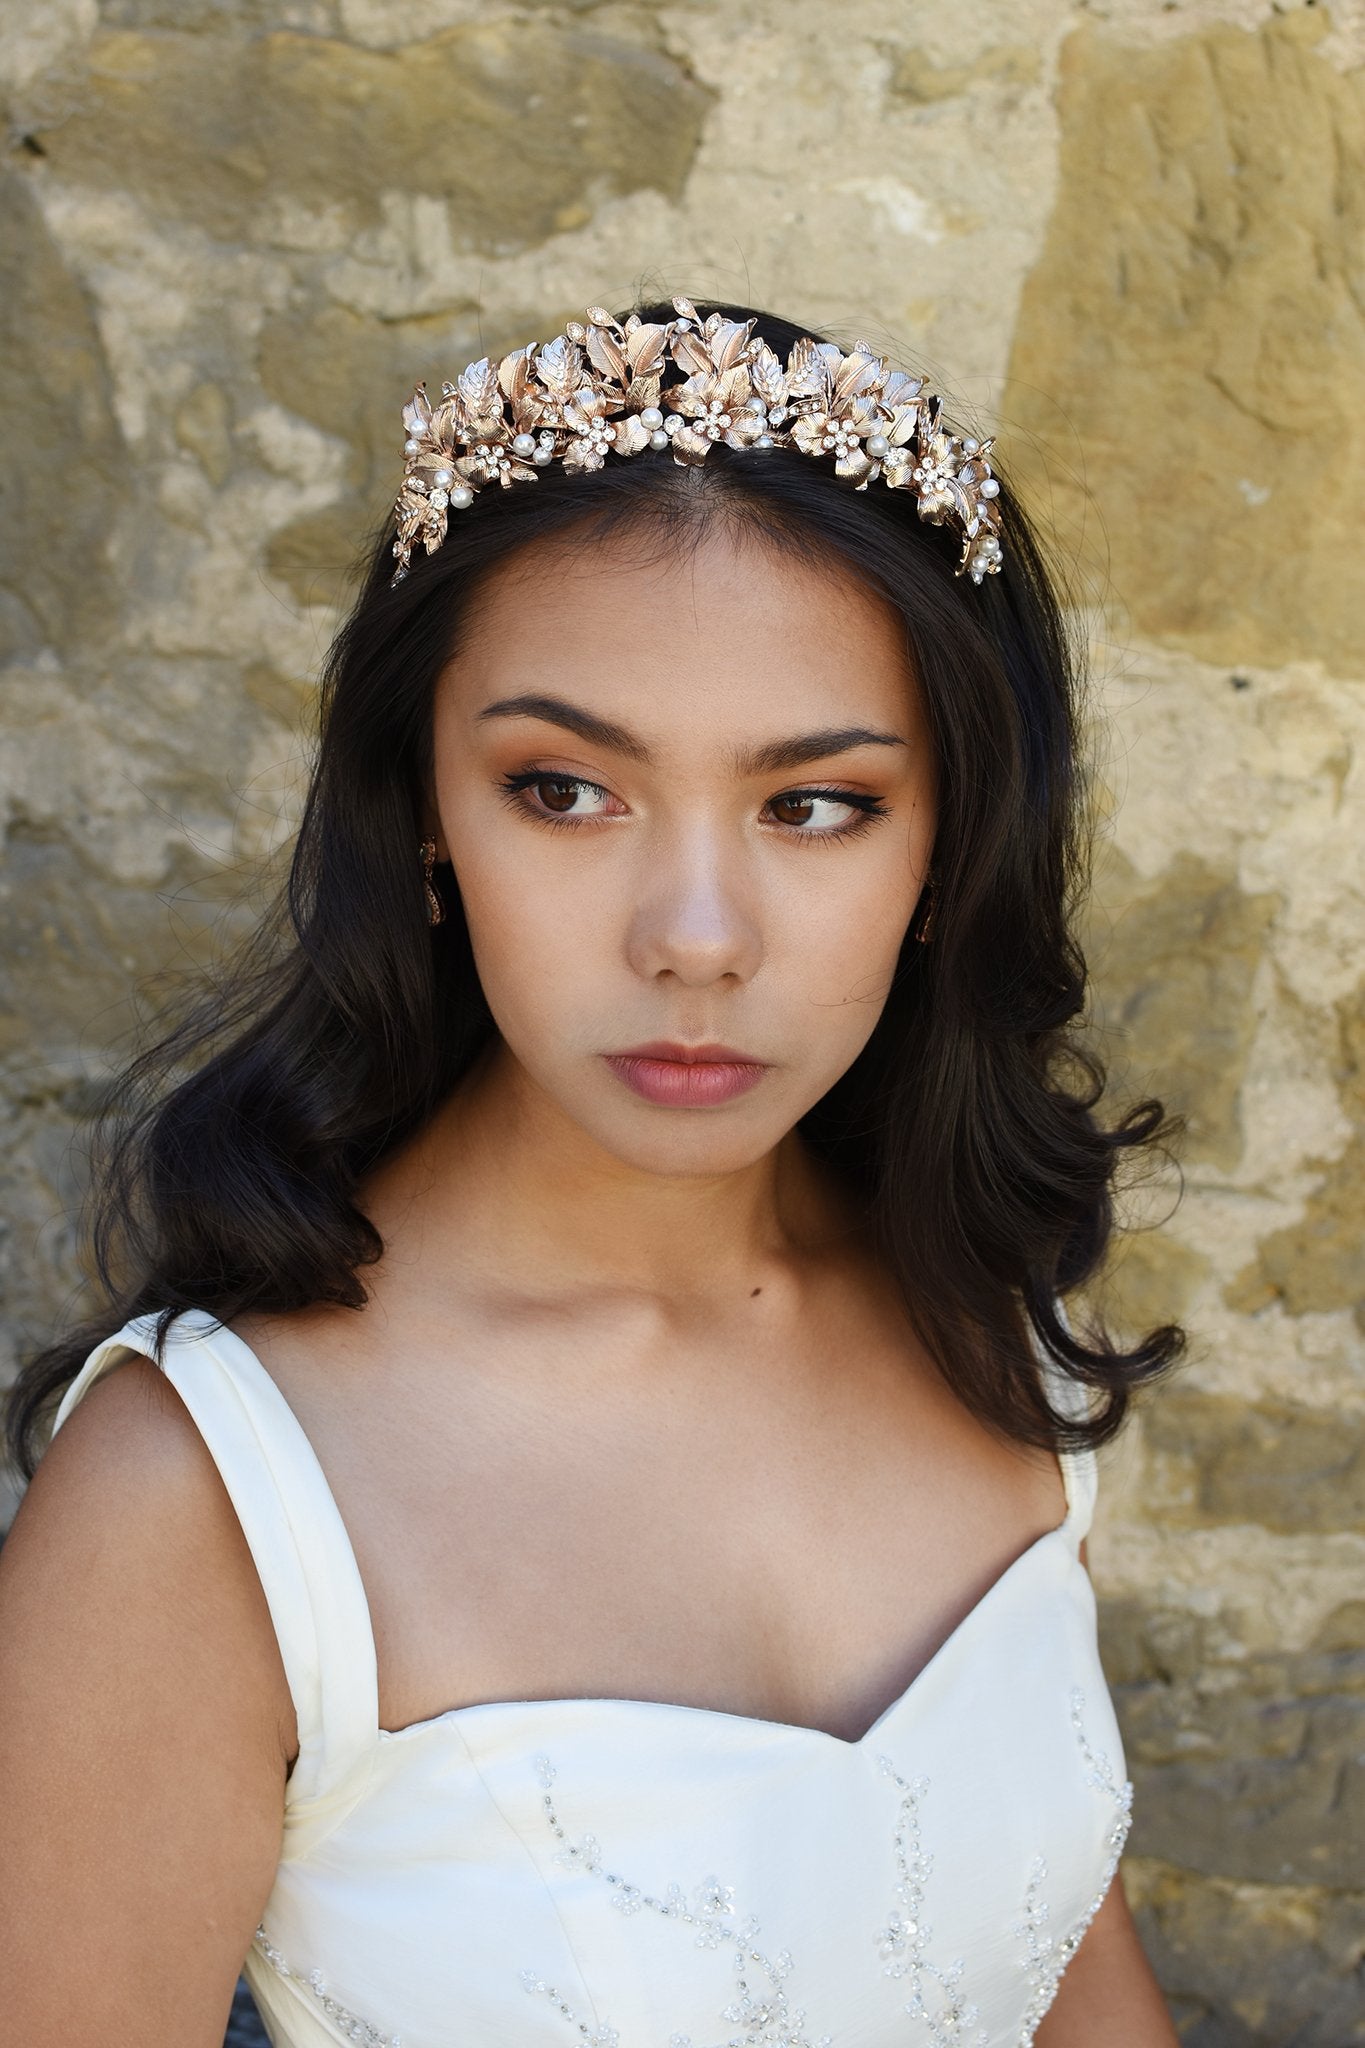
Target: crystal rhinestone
[
  {"x": 673, "y": 422},
  {"x": 768, "y": 2020}
]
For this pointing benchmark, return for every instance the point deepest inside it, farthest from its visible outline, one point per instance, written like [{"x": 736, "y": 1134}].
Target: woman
[{"x": 641, "y": 1175}]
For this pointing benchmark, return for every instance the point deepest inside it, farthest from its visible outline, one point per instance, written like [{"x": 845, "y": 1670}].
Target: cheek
[
  {"x": 538, "y": 927},
  {"x": 842, "y": 934}
]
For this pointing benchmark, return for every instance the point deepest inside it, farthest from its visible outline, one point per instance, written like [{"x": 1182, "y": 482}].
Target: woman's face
[{"x": 690, "y": 805}]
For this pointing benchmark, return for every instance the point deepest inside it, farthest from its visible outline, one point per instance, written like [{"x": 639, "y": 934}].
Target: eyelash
[{"x": 869, "y": 808}]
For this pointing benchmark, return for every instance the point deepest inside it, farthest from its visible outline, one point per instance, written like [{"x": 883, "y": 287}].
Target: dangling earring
[
  {"x": 929, "y": 898},
  {"x": 435, "y": 908}
]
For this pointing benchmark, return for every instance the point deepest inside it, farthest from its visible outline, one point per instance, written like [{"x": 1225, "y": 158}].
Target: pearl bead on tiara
[{"x": 598, "y": 389}]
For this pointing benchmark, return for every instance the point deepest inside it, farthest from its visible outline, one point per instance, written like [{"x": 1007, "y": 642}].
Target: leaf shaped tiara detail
[{"x": 598, "y": 389}]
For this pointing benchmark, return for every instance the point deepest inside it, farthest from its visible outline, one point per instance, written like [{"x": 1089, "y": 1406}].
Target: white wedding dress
[{"x": 633, "y": 1874}]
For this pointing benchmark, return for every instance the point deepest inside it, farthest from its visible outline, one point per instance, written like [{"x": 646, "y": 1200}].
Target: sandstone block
[
  {"x": 497, "y": 118},
  {"x": 1195, "y": 326}
]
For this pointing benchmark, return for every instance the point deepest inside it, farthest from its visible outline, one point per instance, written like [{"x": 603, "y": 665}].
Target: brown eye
[
  {"x": 789, "y": 804},
  {"x": 555, "y": 799},
  {"x": 562, "y": 794},
  {"x": 827, "y": 815}
]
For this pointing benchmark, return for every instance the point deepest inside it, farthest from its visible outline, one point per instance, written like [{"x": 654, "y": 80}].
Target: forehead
[{"x": 727, "y": 632}]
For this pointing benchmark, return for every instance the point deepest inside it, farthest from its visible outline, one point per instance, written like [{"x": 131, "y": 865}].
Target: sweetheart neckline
[
  {"x": 198, "y": 1333},
  {"x": 851, "y": 1745}
]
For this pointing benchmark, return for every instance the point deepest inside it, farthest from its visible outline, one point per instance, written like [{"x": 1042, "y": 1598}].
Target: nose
[{"x": 696, "y": 913}]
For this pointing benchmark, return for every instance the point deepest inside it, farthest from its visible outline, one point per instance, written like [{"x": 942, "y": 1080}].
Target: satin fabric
[{"x": 635, "y": 1874}]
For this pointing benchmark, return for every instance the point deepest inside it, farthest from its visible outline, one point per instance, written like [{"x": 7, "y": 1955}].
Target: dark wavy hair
[{"x": 229, "y": 1160}]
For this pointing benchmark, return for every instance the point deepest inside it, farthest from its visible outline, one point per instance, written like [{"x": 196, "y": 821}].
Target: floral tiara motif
[{"x": 599, "y": 390}]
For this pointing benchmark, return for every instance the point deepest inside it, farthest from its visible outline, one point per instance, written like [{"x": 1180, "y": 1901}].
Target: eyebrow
[{"x": 767, "y": 759}]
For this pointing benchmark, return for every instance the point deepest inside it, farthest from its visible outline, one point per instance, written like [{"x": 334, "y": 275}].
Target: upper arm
[
  {"x": 145, "y": 1727},
  {"x": 1108, "y": 1991}
]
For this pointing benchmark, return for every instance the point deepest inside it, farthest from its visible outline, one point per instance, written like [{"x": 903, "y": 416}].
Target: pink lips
[{"x": 686, "y": 1076}]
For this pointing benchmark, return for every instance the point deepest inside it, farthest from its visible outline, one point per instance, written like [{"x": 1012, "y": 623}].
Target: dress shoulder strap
[
  {"x": 1080, "y": 1469},
  {"x": 294, "y": 1529}
]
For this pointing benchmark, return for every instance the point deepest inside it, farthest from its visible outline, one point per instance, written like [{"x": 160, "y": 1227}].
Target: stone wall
[{"x": 1127, "y": 237}]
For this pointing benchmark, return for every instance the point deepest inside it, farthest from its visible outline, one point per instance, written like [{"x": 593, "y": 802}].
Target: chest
[{"x": 766, "y": 1527}]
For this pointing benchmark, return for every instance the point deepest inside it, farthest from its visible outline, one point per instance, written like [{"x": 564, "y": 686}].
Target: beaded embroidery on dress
[{"x": 634, "y": 1874}]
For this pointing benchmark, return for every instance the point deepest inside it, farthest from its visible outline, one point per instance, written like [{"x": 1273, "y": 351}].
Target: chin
[{"x": 685, "y": 1144}]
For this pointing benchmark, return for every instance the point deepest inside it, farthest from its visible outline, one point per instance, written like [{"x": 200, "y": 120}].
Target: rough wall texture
[{"x": 1127, "y": 237}]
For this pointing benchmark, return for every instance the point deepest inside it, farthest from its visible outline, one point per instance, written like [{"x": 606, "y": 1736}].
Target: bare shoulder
[
  {"x": 127, "y": 1472},
  {"x": 128, "y": 1489},
  {"x": 145, "y": 1728},
  {"x": 131, "y": 1416}
]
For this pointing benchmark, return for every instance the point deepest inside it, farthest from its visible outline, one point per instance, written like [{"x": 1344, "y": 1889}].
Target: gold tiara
[{"x": 598, "y": 389}]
